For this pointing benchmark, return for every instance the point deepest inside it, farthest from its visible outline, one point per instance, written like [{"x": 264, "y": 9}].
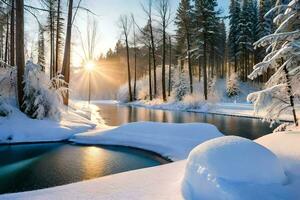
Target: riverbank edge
[{"x": 166, "y": 107}]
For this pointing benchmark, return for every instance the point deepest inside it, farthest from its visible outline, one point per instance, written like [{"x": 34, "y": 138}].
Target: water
[
  {"x": 35, "y": 166},
  {"x": 228, "y": 125}
]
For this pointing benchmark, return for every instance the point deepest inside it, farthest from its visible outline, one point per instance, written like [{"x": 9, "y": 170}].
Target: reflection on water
[
  {"x": 245, "y": 127},
  {"x": 36, "y": 166}
]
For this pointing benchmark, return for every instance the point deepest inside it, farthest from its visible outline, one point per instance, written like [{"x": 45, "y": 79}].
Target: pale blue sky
[
  {"x": 110, "y": 10},
  {"x": 108, "y": 13}
]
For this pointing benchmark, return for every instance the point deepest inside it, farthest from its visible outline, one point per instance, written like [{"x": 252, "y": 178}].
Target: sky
[
  {"x": 107, "y": 15},
  {"x": 109, "y": 11}
]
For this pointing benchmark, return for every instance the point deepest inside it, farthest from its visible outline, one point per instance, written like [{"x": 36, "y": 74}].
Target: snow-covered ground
[
  {"x": 277, "y": 155},
  {"x": 19, "y": 128},
  {"x": 174, "y": 141}
]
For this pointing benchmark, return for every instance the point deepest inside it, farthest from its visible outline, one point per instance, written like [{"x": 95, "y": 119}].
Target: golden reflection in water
[{"x": 92, "y": 165}]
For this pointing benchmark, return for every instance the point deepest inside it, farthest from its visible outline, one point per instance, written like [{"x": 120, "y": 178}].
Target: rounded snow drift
[{"x": 221, "y": 162}]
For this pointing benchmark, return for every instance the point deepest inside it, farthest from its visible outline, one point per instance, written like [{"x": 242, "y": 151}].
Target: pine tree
[
  {"x": 234, "y": 10},
  {"x": 207, "y": 22},
  {"x": 246, "y": 36},
  {"x": 51, "y": 6},
  {"x": 221, "y": 48},
  {"x": 265, "y": 25},
  {"x": 184, "y": 28}
]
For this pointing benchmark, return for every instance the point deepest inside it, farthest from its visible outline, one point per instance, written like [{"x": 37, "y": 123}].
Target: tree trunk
[
  {"x": 6, "y": 40},
  {"x": 290, "y": 93},
  {"x": 153, "y": 56},
  {"x": 20, "y": 57},
  {"x": 163, "y": 78},
  {"x": 67, "y": 53},
  {"x": 12, "y": 34},
  {"x": 150, "y": 74},
  {"x": 170, "y": 67},
  {"x": 135, "y": 63},
  {"x": 128, "y": 67},
  {"x": 205, "y": 68},
  {"x": 56, "y": 65},
  {"x": 51, "y": 41},
  {"x": 189, "y": 61}
]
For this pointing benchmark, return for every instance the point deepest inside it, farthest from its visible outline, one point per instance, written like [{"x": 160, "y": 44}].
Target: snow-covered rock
[
  {"x": 174, "y": 141},
  {"x": 215, "y": 165}
]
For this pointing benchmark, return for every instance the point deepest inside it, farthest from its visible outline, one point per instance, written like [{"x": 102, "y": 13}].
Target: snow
[
  {"x": 19, "y": 128},
  {"x": 165, "y": 181},
  {"x": 217, "y": 163},
  {"x": 174, "y": 141},
  {"x": 286, "y": 147}
]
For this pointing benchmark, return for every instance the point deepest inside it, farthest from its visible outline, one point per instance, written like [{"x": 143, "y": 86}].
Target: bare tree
[
  {"x": 148, "y": 10},
  {"x": 20, "y": 57},
  {"x": 135, "y": 56},
  {"x": 125, "y": 25},
  {"x": 163, "y": 9}
]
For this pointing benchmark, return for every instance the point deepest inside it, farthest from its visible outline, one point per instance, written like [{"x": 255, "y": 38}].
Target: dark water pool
[
  {"x": 228, "y": 125},
  {"x": 35, "y": 166}
]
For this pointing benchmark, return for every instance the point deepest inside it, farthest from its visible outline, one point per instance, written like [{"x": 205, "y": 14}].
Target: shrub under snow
[
  {"x": 180, "y": 85},
  {"x": 4, "y": 108},
  {"x": 220, "y": 163},
  {"x": 232, "y": 85},
  {"x": 42, "y": 98}
]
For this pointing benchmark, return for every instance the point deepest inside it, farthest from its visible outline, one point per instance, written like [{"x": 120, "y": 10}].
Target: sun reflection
[{"x": 92, "y": 167}]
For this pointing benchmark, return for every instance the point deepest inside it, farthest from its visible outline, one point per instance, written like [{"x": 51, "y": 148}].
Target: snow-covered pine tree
[
  {"x": 232, "y": 85},
  {"x": 265, "y": 25},
  {"x": 234, "y": 10},
  {"x": 180, "y": 85},
  {"x": 184, "y": 31},
  {"x": 284, "y": 56}
]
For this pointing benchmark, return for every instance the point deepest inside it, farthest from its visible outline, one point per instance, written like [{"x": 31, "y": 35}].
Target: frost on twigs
[
  {"x": 283, "y": 48},
  {"x": 42, "y": 98}
]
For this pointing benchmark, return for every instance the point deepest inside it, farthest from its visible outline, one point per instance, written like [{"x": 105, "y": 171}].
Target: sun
[{"x": 89, "y": 65}]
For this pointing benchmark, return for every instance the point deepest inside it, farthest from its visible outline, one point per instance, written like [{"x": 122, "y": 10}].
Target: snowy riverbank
[
  {"x": 229, "y": 109},
  {"x": 176, "y": 141},
  {"x": 19, "y": 128}
]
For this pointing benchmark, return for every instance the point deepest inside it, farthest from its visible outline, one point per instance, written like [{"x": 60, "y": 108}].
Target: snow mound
[
  {"x": 286, "y": 147},
  {"x": 215, "y": 165},
  {"x": 174, "y": 141}
]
